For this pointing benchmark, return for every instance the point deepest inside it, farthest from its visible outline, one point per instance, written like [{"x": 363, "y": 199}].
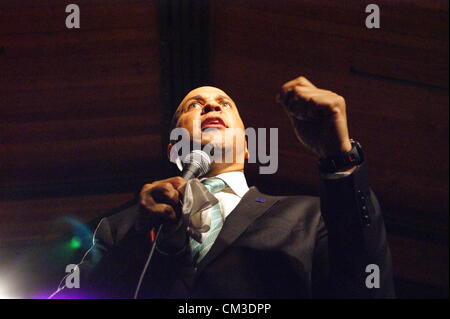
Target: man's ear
[
  {"x": 169, "y": 147},
  {"x": 246, "y": 154}
]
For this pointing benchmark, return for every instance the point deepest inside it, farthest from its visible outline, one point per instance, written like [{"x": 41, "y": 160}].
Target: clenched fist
[
  {"x": 318, "y": 116},
  {"x": 161, "y": 199}
]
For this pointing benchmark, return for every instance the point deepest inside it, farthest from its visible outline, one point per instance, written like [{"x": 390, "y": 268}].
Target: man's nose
[{"x": 211, "y": 107}]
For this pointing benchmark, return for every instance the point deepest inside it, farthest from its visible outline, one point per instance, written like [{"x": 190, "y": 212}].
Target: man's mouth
[{"x": 213, "y": 122}]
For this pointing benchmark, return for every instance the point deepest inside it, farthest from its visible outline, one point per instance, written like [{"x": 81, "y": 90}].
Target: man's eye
[
  {"x": 226, "y": 104},
  {"x": 194, "y": 106}
]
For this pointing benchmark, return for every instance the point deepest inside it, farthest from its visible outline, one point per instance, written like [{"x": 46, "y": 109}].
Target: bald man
[{"x": 257, "y": 245}]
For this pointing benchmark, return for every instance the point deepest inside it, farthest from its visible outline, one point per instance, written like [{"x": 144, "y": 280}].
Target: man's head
[{"x": 210, "y": 116}]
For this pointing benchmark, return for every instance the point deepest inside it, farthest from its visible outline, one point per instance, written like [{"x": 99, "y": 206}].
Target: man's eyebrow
[
  {"x": 196, "y": 97},
  {"x": 199, "y": 97},
  {"x": 223, "y": 97}
]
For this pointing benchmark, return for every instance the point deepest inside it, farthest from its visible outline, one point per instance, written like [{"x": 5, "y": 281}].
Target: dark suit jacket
[{"x": 269, "y": 247}]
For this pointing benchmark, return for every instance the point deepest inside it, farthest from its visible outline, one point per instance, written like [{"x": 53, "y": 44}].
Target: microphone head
[{"x": 197, "y": 162}]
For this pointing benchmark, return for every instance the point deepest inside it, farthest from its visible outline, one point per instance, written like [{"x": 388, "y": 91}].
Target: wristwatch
[{"x": 332, "y": 164}]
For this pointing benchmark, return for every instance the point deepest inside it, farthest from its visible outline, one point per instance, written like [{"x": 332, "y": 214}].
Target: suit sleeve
[{"x": 351, "y": 243}]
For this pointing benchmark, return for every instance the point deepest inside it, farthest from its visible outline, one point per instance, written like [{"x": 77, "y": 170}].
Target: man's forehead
[{"x": 204, "y": 91}]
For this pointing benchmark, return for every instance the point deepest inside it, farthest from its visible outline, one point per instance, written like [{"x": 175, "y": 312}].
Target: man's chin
[
  {"x": 212, "y": 144},
  {"x": 216, "y": 137}
]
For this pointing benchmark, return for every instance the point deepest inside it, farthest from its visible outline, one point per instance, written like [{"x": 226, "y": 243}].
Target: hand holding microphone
[{"x": 162, "y": 199}]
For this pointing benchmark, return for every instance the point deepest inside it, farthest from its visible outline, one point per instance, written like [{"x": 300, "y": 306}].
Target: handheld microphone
[{"x": 196, "y": 164}]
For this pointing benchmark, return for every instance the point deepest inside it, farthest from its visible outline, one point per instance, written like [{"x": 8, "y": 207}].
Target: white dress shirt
[{"x": 230, "y": 196}]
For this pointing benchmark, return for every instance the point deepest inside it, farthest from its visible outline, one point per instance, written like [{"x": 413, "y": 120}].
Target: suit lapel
[{"x": 252, "y": 205}]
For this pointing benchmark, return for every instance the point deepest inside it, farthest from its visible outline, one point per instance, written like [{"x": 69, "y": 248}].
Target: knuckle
[
  {"x": 152, "y": 209},
  {"x": 169, "y": 194},
  {"x": 340, "y": 100},
  {"x": 302, "y": 80},
  {"x": 178, "y": 179},
  {"x": 143, "y": 196},
  {"x": 286, "y": 87},
  {"x": 165, "y": 188},
  {"x": 158, "y": 209},
  {"x": 298, "y": 89},
  {"x": 146, "y": 187},
  {"x": 165, "y": 210},
  {"x": 144, "y": 192},
  {"x": 168, "y": 209}
]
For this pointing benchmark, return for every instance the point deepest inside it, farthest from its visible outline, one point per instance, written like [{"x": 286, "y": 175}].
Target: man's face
[{"x": 211, "y": 112}]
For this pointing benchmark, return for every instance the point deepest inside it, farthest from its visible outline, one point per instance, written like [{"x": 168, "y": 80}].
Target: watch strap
[{"x": 332, "y": 164}]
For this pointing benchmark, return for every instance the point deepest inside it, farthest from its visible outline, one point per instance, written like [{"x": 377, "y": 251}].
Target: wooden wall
[
  {"x": 76, "y": 105},
  {"x": 395, "y": 81},
  {"x": 82, "y": 111}
]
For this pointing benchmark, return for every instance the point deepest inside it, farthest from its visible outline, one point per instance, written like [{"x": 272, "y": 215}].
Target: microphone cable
[
  {"x": 147, "y": 263},
  {"x": 197, "y": 163}
]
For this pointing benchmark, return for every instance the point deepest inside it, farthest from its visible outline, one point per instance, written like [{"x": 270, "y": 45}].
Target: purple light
[{"x": 65, "y": 294}]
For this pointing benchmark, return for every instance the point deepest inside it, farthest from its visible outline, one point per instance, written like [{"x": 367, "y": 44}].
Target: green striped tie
[{"x": 199, "y": 250}]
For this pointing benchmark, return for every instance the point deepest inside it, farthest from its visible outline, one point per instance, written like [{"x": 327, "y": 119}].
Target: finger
[
  {"x": 176, "y": 181},
  {"x": 165, "y": 193},
  {"x": 308, "y": 93},
  {"x": 295, "y": 95},
  {"x": 302, "y": 81},
  {"x": 303, "y": 94},
  {"x": 296, "y": 107},
  {"x": 285, "y": 93},
  {"x": 325, "y": 100},
  {"x": 164, "y": 211},
  {"x": 301, "y": 103},
  {"x": 147, "y": 201},
  {"x": 320, "y": 106},
  {"x": 181, "y": 190},
  {"x": 146, "y": 187},
  {"x": 145, "y": 195},
  {"x": 304, "y": 90}
]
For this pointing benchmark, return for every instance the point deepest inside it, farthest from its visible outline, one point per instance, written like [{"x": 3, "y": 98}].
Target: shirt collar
[{"x": 236, "y": 181}]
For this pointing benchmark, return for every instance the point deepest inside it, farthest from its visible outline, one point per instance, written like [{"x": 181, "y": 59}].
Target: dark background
[{"x": 84, "y": 112}]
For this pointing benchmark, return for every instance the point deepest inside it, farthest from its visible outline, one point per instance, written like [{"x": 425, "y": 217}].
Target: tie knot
[{"x": 214, "y": 184}]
